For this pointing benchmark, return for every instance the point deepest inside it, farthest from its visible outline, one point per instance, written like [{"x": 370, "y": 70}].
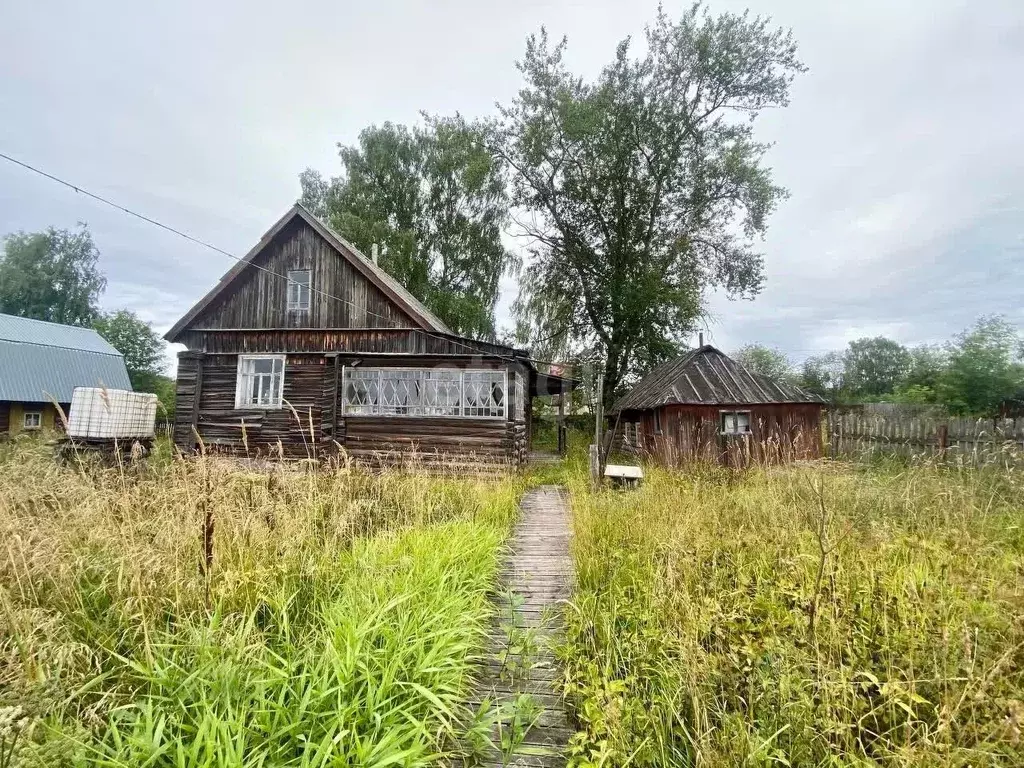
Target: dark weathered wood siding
[
  {"x": 361, "y": 340},
  {"x": 258, "y": 299},
  {"x": 358, "y": 323},
  {"x": 779, "y": 432},
  {"x": 314, "y": 423},
  {"x": 5, "y": 417}
]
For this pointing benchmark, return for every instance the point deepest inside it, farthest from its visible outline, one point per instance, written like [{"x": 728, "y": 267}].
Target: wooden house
[
  {"x": 41, "y": 363},
  {"x": 307, "y": 347},
  {"x": 704, "y": 406}
]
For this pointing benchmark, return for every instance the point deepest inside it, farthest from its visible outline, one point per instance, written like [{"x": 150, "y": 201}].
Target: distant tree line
[
  {"x": 54, "y": 275},
  {"x": 979, "y": 372}
]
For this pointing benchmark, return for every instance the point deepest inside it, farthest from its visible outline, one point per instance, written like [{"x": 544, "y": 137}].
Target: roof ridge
[
  {"x": 114, "y": 353},
  {"x": 15, "y": 329},
  {"x": 47, "y": 322},
  {"x": 717, "y": 379}
]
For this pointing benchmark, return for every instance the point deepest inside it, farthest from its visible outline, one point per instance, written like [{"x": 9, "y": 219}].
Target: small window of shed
[
  {"x": 735, "y": 422},
  {"x": 298, "y": 290}
]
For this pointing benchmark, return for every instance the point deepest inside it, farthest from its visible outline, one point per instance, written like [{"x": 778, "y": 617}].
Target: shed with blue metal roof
[{"x": 41, "y": 363}]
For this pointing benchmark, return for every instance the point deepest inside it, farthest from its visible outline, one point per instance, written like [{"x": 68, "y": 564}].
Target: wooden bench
[{"x": 623, "y": 476}]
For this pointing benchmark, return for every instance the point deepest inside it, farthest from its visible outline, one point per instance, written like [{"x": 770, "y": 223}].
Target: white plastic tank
[{"x": 100, "y": 413}]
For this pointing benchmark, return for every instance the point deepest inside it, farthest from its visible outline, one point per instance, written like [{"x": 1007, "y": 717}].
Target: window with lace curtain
[{"x": 451, "y": 392}]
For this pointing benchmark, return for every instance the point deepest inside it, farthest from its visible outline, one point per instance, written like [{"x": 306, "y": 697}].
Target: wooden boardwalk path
[{"x": 521, "y": 675}]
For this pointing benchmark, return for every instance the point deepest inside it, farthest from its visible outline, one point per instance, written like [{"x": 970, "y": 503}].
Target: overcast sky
[{"x": 903, "y": 148}]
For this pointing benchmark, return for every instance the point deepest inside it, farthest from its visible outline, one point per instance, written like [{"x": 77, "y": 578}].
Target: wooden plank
[
  {"x": 197, "y": 394},
  {"x": 539, "y": 570}
]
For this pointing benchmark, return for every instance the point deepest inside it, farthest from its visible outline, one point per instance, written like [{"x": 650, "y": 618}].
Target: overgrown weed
[
  {"x": 332, "y": 620},
  {"x": 815, "y": 615}
]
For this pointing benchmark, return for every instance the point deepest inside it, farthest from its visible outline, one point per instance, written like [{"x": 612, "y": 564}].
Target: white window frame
[
  {"x": 423, "y": 410},
  {"x": 631, "y": 434},
  {"x": 38, "y": 420},
  {"x": 298, "y": 295},
  {"x": 242, "y": 378},
  {"x": 657, "y": 421},
  {"x": 732, "y": 417}
]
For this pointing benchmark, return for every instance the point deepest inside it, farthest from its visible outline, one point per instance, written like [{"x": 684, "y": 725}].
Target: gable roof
[
  {"x": 40, "y": 361},
  {"x": 372, "y": 272},
  {"x": 707, "y": 376}
]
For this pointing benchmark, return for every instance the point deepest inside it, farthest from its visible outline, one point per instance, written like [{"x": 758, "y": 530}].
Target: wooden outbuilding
[
  {"x": 705, "y": 406},
  {"x": 306, "y": 347}
]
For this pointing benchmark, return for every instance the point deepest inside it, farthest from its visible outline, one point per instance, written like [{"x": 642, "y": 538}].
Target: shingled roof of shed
[{"x": 707, "y": 376}]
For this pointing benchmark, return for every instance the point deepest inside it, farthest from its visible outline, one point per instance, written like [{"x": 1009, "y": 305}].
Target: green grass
[
  {"x": 815, "y": 615},
  {"x": 335, "y": 623}
]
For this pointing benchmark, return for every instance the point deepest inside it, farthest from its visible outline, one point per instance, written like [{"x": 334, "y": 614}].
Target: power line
[
  {"x": 82, "y": 191},
  {"x": 112, "y": 204}
]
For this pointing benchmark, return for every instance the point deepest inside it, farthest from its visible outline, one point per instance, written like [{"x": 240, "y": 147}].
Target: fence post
[
  {"x": 943, "y": 434},
  {"x": 561, "y": 418}
]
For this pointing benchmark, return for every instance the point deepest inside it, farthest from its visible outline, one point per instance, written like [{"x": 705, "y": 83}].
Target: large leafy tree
[
  {"x": 766, "y": 361},
  {"x": 643, "y": 189},
  {"x": 823, "y": 375},
  {"x": 986, "y": 367},
  {"x": 875, "y": 366},
  {"x": 51, "y": 275},
  {"x": 434, "y": 199},
  {"x": 142, "y": 347}
]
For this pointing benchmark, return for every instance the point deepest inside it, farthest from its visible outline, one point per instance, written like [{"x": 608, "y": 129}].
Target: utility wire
[
  {"x": 203, "y": 243},
  {"x": 198, "y": 241}
]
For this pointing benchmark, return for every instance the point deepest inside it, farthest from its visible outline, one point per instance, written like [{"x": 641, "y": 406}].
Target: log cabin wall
[
  {"x": 258, "y": 298},
  {"x": 691, "y": 433},
  {"x": 296, "y": 431},
  {"x": 356, "y": 322},
  {"x": 392, "y": 439},
  {"x": 319, "y": 427}
]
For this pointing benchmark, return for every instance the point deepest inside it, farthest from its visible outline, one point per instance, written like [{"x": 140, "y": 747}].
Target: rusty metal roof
[{"x": 707, "y": 376}]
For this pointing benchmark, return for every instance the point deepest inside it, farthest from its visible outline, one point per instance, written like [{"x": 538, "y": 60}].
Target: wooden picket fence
[{"x": 854, "y": 434}]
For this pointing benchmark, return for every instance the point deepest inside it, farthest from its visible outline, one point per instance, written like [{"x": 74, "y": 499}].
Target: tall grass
[
  {"x": 193, "y": 613},
  {"x": 811, "y": 615}
]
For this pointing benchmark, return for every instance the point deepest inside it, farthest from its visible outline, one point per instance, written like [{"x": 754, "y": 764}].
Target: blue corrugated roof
[
  {"x": 28, "y": 331},
  {"x": 41, "y": 361}
]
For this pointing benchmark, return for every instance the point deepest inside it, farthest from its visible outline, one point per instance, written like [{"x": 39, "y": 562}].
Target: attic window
[
  {"x": 735, "y": 422},
  {"x": 298, "y": 290}
]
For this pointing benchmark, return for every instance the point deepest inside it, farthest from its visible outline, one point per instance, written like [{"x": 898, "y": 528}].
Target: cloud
[{"x": 901, "y": 147}]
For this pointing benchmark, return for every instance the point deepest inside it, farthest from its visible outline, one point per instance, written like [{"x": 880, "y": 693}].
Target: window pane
[
  {"x": 742, "y": 422},
  {"x": 260, "y": 382},
  {"x": 299, "y": 289},
  {"x": 400, "y": 392},
  {"x": 424, "y": 392}
]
